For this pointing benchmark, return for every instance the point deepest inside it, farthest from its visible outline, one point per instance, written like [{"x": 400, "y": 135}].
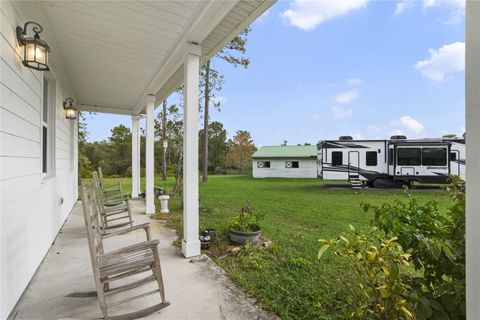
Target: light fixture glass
[
  {"x": 70, "y": 110},
  {"x": 35, "y": 52}
]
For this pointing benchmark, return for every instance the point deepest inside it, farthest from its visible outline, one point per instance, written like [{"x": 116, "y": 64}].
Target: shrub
[
  {"x": 248, "y": 220},
  {"x": 433, "y": 284},
  {"x": 378, "y": 264}
]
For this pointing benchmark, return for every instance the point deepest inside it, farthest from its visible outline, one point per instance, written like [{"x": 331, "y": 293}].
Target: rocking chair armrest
[
  {"x": 112, "y": 190},
  {"x": 120, "y": 196},
  {"x": 132, "y": 248},
  {"x": 113, "y": 187},
  {"x": 110, "y": 185},
  {"x": 145, "y": 226}
]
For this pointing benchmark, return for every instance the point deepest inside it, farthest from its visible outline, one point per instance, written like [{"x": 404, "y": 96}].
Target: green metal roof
[{"x": 286, "y": 152}]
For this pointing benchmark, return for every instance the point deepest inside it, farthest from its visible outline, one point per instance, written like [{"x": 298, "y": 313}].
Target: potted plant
[{"x": 245, "y": 226}]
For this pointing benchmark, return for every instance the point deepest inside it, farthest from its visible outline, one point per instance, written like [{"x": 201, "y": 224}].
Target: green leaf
[
  {"x": 322, "y": 250},
  {"x": 345, "y": 239}
]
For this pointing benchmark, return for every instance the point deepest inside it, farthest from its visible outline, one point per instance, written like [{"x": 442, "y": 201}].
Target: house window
[
  {"x": 409, "y": 156},
  {"x": 337, "y": 158},
  {"x": 48, "y": 127},
  {"x": 434, "y": 156},
  {"x": 371, "y": 159},
  {"x": 263, "y": 164},
  {"x": 292, "y": 164}
]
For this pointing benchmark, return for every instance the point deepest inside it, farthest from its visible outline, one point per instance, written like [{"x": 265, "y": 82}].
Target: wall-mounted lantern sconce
[
  {"x": 70, "y": 110},
  {"x": 35, "y": 53}
]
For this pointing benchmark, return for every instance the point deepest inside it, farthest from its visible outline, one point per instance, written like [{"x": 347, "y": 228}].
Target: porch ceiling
[{"x": 116, "y": 53}]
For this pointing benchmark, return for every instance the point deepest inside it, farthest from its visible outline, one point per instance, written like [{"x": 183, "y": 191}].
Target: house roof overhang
[{"x": 117, "y": 53}]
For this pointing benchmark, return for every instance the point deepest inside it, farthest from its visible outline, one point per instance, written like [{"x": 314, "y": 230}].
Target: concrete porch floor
[{"x": 196, "y": 288}]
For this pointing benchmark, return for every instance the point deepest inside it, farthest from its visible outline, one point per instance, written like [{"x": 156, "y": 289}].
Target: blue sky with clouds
[{"x": 321, "y": 69}]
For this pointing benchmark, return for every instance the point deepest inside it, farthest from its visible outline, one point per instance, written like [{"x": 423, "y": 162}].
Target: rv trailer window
[
  {"x": 337, "y": 158},
  {"x": 371, "y": 159},
  {"x": 434, "y": 156},
  {"x": 263, "y": 164},
  {"x": 291, "y": 164},
  {"x": 390, "y": 156},
  {"x": 453, "y": 156},
  {"x": 409, "y": 156}
]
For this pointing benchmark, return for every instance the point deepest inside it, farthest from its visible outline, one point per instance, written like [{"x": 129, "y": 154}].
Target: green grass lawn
[{"x": 287, "y": 277}]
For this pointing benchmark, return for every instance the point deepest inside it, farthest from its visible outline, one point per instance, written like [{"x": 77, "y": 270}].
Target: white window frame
[
  {"x": 49, "y": 125},
  {"x": 289, "y": 164}
]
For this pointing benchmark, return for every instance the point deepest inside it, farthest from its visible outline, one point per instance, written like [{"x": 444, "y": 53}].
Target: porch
[{"x": 196, "y": 288}]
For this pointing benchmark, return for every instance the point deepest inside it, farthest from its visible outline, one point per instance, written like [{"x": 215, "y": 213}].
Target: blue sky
[{"x": 321, "y": 69}]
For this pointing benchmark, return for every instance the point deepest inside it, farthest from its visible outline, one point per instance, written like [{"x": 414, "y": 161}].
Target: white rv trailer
[{"x": 396, "y": 161}]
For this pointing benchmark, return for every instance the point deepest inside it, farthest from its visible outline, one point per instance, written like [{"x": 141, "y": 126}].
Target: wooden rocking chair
[
  {"x": 113, "y": 193},
  {"x": 123, "y": 263},
  {"x": 114, "y": 216}
]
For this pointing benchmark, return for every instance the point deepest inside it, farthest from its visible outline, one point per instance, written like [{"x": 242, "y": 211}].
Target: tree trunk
[
  {"x": 205, "y": 124},
  {"x": 164, "y": 138}
]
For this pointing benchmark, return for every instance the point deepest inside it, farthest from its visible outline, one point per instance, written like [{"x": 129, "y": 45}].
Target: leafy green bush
[
  {"x": 247, "y": 221},
  {"x": 378, "y": 264},
  {"x": 432, "y": 279}
]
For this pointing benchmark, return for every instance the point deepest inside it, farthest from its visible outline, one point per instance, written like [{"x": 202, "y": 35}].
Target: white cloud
[
  {"x": 456, "y": 8},
  {"x": 446, "y": 60},
  {"x": 346, "y": 97},
  {"x": 354, "y": 81},
  {"x": 410, "y": 124},
  {"x": 307, "y": 14},
  {"x": 341, "y": 112},
  {"x": 451, "y": 3},
  {"x": 358, "y": 136},
  {"x": 404, "y": 5}
]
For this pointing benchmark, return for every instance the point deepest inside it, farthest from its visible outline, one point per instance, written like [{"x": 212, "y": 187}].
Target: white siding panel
[
  {"x": 31, "y": 231},
  {"x": 12, "y": 123},
  {"x": 307, "y": 169},
  {"x": 14, "y": 61},
  {"x": 13, "y": 146},
  {"x": 31, "y": 212},
  {"x": 11, "y": 80},
  {"x": 15, "y": 104},
  {"x": 13, "y": 189},
  {"x": 19, "y": 167}
]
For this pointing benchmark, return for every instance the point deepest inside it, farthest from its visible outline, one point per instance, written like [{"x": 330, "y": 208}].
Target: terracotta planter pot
[{"x": 241, "y": 237}]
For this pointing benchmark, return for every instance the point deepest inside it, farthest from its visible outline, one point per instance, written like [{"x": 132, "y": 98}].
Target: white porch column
[
  {"x": 191, "y": 242},
  {"x": 135, "y": 156},
  {"x": 472, "y": 105},
  {"x": 149, "y": 168}
]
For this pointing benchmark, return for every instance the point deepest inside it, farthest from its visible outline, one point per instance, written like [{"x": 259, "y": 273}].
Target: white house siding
[
  {"x": 307, "y": 169},
  {"x": 31, "y": 208}
]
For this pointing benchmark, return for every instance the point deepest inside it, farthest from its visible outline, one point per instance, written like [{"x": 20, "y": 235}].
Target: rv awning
[{"x": 118, "y": 52}]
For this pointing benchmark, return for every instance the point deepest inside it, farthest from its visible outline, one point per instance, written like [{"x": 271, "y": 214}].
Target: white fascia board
[
  {"x": 104, "y": 109},
  {"x": 258, "y": 12},
  {"x": 207, "y": 17}
]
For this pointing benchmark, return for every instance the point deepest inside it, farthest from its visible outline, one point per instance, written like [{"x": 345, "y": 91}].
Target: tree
[
  {"x": 217, "y": 146},
  {"x": 240, "y": 150},
  {"x": 84, "y": 163},
  {"x": 284, "y": 143},
  {"x": 232, "y": 53},
  {"x": 173, "y": 132},
  {"x": 121, "y": 147}
]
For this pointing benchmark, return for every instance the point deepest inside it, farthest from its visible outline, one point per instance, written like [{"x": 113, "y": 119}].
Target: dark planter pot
[{"x": 241, "y": 237}]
